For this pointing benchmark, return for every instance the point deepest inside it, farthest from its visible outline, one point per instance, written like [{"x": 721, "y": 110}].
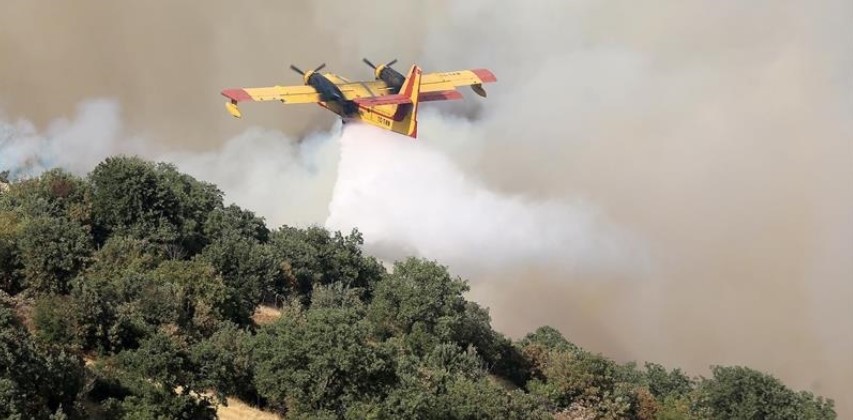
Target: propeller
[
  {"x": 298, "y": 70},
  {"x": 373, "y": 66}
]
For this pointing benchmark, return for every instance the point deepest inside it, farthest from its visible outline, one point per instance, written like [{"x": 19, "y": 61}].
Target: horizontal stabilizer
[{"x": 442, "y": 95}]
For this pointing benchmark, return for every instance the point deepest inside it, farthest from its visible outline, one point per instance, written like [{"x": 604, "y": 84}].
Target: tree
[
  {"x": 35, "y": 381},
  {"x": 224, "y": 363},
  {"x": 52, "y": 252},
  {"x": 151, "y": 201},
  {"x": 53, "y": 318},
  {"x": 188, "y": 294},
  {"x": 55, "y": 193},
  {"x": 450, "y": 383},
  {"x": 248, "y": 270},
  {"x": 322, "y": 359},
  {"x": 421, "y": 300},
  {"x": 663, "y": 384},
  {"x": 313, "y": 257},
  {"x": 159, "y": 380},
  {"x": 10, "y": 279},
  {"x": 233, "y": 220},
  {"x": 741, "y": 393}
]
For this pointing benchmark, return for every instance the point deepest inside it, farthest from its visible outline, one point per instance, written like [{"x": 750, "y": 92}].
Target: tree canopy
[{"x": 134, "y": 292}]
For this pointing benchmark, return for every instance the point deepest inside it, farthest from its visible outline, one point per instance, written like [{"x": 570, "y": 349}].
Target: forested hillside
[{"x": 131, "y": 293}]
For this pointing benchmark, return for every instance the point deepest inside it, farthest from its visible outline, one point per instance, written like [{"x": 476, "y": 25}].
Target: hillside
[{"x": 181, "y": 303}]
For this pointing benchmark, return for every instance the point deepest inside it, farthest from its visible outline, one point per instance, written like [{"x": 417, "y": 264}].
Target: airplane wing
[
  {"x": 303, "y": 93},
  {"x": 288, "y": 94},
  {"x": 434, "y": 82},
  {"x": 356, "y": 90}
]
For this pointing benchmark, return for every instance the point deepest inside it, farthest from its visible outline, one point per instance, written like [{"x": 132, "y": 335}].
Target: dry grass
[
  {"x": 237, "y": 410},
  {"x": 266, "y": 315}
]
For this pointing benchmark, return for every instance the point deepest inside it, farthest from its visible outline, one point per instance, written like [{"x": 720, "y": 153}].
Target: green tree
[
  {"x": 664, "y": 384},
  {"x": 159, "y": 380},
  {"x": 35, "y": 381},
  {"x": 249, "y": 271},
  {"x": 233, "y": 220},
  {"x": 54, "y": 320},
  {"x": 420, "y": 299},
  {"x": 741, "y": 393},
  {"x": 153, "y": 201},
  {"x": 450, "y": 383},
  {"x": 224, "y": 363},
  {"x": 312, "y": 257},
  {"x": 105, "y": 319},
  {"x": 54, "y": 193},
  {"x": 52, "y": 252},
  {"x": 322, "y": 359},
  {"x": 200, "y": 297},
  {"x": 10, "y": 278}
]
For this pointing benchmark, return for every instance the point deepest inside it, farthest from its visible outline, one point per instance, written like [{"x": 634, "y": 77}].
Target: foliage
[
  {"x": 35, "y": 381},
  {"x": 10, "y": 264},
  {"x": 151, "y": 201},
  {"x": 224, "y": 363},
  {"x": 53, "y": 319},
  {"x": 450, "y": 383},
  {"x": 248, "y": 269},
  {"x": 312, "y": 257},
  {"x": 743, "y": 393},
  {"x": 55, "y": 194},
  {"x": 142, "y": 270},
  {"x": 52, "y": 252},
  {"x": 663, "y": 384},
  {"x": 322, "y": 359}
]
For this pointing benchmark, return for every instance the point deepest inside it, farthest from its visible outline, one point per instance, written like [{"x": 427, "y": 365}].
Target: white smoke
[
  {"x": 285, "y": 179},
  {"x": 76, "y": 144},
  {"x": 408, "y": 198}
]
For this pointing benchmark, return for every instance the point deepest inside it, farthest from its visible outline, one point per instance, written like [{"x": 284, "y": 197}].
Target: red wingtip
[
  {"x": 236, "y": 95},
  {"x": 485, "y": 75}
]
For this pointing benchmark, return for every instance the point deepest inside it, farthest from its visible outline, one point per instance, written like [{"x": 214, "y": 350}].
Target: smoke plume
[{"x": 666, "y": 182}]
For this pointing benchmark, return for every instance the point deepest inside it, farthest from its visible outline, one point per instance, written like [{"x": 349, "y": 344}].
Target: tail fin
[
  {"x": 398, "y": 112},
  {"x": 411, "y": 89}
]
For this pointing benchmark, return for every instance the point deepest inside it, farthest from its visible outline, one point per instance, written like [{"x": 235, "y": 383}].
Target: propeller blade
[
  {"x": 296, "y": 69},
  {"x": 391, "y": 63},
  {"x": 366, "y": 61},
  {"x": 320, "y": 67}
]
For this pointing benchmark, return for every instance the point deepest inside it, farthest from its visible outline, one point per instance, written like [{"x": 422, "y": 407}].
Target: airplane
[{"x": 389, "y": 102}]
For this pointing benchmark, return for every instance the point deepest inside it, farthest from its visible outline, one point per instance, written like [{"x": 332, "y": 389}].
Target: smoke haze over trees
[{"x": 686, "y": 167}]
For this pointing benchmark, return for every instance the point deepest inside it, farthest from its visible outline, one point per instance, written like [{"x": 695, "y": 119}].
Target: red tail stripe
[{"x": 410, "y": 82}]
